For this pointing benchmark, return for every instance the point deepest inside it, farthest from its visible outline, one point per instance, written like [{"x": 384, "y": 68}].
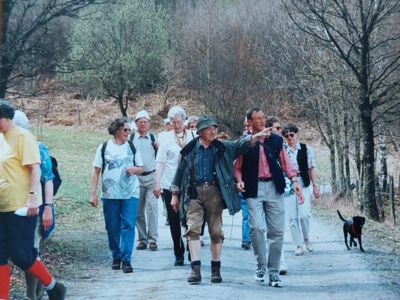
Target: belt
[
  {"x": 265, "y": 179},
  {"x": 147, "y": 173},
  {"x": 207, "y": 183}
]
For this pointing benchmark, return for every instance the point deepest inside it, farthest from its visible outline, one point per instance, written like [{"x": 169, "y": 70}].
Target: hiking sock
[
  {"x": 40, "y": 272},
  {"x": 4, "y": 281},
  {"x": 216, "y": 264},
  {"x": 195, "y": 263}
]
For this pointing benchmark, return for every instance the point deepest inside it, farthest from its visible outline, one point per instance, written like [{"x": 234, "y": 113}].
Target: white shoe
[
  {"x": 309, "y": 246},
  {"x": 299, "y": 251}
]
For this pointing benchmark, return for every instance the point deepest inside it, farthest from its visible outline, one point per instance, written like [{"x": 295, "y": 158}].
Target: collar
[
  {"x": 219, "y": 146},
  {"x": 137, "y": 135}
]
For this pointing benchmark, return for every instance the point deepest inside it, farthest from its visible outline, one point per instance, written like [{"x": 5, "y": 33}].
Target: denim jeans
[
  {"x": 120, "y": 219},
  {"x": 245, "y": 219}
]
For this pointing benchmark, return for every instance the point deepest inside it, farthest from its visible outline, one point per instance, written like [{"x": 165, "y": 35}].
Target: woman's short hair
[
  {"x": 271, "y": 120},
  {"x": 192, "y": 119},
  {"x": 117, "y": 124},
  {"x": 177, "y": 110},
  {"x": 7, "y": 111},
  {"x": 289, "y": 128}
]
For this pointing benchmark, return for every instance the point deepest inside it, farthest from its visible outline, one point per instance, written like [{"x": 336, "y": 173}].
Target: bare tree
[
  {"x": 24, "y": 26},
  {"x": 362, "y": 34}
]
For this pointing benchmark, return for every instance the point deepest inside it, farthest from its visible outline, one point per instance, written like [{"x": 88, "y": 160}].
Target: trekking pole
[{"x": 230, "y": 236}]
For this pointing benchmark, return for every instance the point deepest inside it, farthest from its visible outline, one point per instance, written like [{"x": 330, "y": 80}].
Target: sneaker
[
  {"x": 259, "y": 275},
  {"x": 246, "y": 245},
  {"x": 116, "y": 264},
  {"x": 153, "y": 246},
  {"x": 141, "y": 246},
  {"x": 275, "y": 281},
  {"x": 309, "y": 246},
  {"x": 299, "y": 251},
  {"x": 57, "y": 292},
  {"x": 283, "y": 269},
  {"x": 179, "y": 261},
  {"x": 126, "y": 267}
]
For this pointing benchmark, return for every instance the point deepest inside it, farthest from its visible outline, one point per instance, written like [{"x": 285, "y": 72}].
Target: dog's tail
[{"x": 340, "y": 216}]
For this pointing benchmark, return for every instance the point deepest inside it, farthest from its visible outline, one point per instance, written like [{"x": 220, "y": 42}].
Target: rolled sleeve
[{"x": 286, "y": 164}]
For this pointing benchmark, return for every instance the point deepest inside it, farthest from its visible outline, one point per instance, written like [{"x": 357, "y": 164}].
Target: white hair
[
  {"x": 20, "y": 119},
  {"x": 177, "y": 110}
]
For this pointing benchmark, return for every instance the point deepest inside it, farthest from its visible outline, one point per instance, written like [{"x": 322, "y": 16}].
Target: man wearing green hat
[{"x": 203, "y": 186}]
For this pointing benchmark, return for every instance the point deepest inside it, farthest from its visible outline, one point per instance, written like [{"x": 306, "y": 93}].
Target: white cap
[
  {"x": 20, "y": 119},
  {"x": 167, "y": 121},
  {"x": 142, "y": 114}
]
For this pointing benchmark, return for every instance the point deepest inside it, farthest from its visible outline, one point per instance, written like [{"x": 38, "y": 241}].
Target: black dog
[{"x": 354, "y": 228}]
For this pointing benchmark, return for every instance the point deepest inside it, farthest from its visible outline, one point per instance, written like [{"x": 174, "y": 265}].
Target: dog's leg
[
  {"x": 345, "y": 236},
  {"x": 359, "y": 242},
  {"x": 352, "y": 241}
]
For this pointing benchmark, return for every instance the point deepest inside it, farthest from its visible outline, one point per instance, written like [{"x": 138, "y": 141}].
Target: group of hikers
[{"x": 197, "y": 172}]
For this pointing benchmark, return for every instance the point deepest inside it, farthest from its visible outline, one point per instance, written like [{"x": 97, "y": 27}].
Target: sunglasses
[
  {"x": 277, "y": 127},
  {"x": 192, "y": 127},
  {"x": 126, "y": 129},
  {"x": 289, "y": 135}
]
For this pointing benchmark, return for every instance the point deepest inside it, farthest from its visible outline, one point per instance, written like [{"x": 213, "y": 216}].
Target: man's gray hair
[{"x": 177, "y": 110}]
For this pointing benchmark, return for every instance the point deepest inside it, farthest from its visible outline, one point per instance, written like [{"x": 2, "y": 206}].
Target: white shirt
[
  {"x": 168, "y": 153},
  {"x": 162, "y": 137},
  {"x": 144, "y": 145},
  {"x": 116, "y": 184},
  {"x": 293, "y": 155}
]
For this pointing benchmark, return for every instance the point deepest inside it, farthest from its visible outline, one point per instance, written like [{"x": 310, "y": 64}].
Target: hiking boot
[
  {"x": 126, "y": 267},
  {"x": 259, "y": 275},
  {"x": 153, "y": 246},
  {"x": 57, "y": 292},
  {"x": 179, "y": 261},
  {"x": 275, "y": 281},
  {"x": 215, "y": 272},
  {"x": 116, "y": 264},
  {"x": 195, "y": 275},
  {"x": 283, "y": 269},
  {"x": 299, "y": 251},
  {"x": 141, "y": 246},
  {"x": 246, "y": 245},
  {"x": 309, "y": 246}
]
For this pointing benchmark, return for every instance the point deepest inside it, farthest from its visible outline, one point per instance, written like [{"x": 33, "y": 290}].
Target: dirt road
[{"x": 330, "y": 272}]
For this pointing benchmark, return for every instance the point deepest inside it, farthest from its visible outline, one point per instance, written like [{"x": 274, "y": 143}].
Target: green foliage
[{"x": 119, "y": 48}]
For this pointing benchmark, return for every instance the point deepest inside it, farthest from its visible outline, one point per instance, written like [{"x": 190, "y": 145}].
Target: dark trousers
[
  {"x": 16, "y": 240},
  {"x": 174, "y": 224}
]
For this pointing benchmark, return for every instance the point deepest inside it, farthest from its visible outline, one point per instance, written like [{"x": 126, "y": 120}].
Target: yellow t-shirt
[{"x": 18, "y": 148}]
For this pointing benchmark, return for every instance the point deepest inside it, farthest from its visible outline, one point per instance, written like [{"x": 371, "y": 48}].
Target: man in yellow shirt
[{"x": 19, "y": 200}]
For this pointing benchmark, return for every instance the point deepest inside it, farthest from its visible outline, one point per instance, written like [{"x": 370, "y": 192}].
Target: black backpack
[
  {"x": 57, "y": 178},
  {"x": 103, "y": 151},
  {"x": 152, "y": 138}
]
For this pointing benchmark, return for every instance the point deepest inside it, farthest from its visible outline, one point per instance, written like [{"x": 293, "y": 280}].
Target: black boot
[
  {"x": 215, "y": 272},
  {"x": 195, "y": 275},
  {"x": 57, "y": 292}
]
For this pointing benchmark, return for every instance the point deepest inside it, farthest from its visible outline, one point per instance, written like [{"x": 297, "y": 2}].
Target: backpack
[
  {"x": 103, "y": 151},
  {"x": 153, "y": 141},
  {"x": 57, "y": 178}
]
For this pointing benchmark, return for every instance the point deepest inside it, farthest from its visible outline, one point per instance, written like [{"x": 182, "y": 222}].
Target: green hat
[{"x": 205, "y": 122}]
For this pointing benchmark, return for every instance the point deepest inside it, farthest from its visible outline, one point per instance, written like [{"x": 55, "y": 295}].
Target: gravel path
[{"x": 330, "y": 272}]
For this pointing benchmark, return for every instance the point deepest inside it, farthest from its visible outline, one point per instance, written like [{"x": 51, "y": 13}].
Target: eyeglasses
[
  {"x": 192, "y": 127},
  {"x": 277, "y": 127},
  {"x": 126, "y": 129},
  {"x": 291, "y": 134}
]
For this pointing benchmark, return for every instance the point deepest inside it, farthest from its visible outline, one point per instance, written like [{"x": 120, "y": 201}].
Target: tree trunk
[
  {"x": 368, "y": 159},
  {"x": 346, "y": 153},
  {"x": 383, "y": 155},
  {"x": 122, "y": 105},
  {"x": 332, "y": 157}
]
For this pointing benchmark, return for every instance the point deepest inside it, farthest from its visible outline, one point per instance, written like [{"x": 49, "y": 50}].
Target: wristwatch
[{"x": 48, "y": 204}]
